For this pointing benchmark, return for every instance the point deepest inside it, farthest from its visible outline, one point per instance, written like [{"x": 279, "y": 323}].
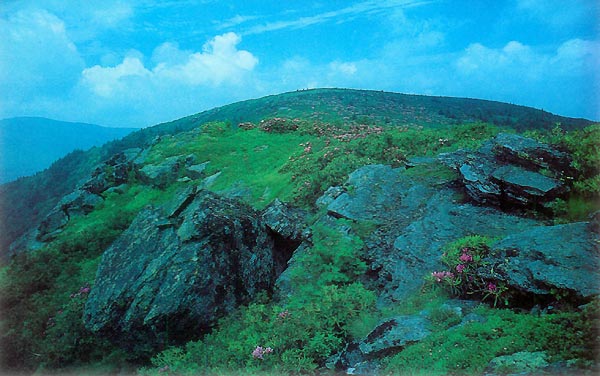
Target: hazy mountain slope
[
  {"x": 28, "y": 200},
  {"x": 30, "y": 144}
]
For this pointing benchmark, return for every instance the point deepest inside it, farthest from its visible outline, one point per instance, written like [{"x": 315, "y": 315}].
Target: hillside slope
[
  {"x": 30, "y": 144},
  {"x": 321, "y": 241},
  {"x": 28, "y": 200}
]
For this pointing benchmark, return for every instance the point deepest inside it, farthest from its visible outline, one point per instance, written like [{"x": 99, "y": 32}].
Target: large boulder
[
  {"x": 548, "y": 259},
  {"x": 177, "y": 269},
  {"x": 511, "y": 171}
]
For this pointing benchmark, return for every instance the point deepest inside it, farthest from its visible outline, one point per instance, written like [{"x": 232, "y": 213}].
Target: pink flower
[
  {"x": 460, "y": 268},
  {"x": 465, "y": 257},
  {"x": 491, "y": 287},
  {"x": 259, "y": 352},
  {"x": 439, "y": 276},
  {"x": 284, "y": 314}
]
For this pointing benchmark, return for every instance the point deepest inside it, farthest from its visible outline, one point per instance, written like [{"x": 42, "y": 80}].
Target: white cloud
[
  {"x": 105, "y": 81},
  {"x": 219, "y": 63},
  {"x": 37, "y": 57},
  {"x": 345, "y": 68},
  {"x": 369, "y": 7}
]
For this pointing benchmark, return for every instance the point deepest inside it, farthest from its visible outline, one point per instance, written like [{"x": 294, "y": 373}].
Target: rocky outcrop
[
  {"x": 373, "y": 196},
  {"x": 114, "y": 172},
  {"x": 418, "y": 213},
  {"x": 543, "y": 260},
  {"x": 179, "y": 268},
  {"x": 511, "y": 171}
]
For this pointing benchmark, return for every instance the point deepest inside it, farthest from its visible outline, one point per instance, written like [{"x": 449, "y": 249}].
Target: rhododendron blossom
[{"x": 259, "y": 352}]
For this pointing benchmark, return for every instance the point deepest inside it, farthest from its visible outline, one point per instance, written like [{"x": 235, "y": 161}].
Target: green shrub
[{"x": 464, "y": 258}]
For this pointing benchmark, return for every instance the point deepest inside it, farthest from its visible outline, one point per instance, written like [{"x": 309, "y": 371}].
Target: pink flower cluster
[
  {"x": 84, "y": 290},
  {"x": 439, "y": 276},
  {"x": 279, "y": 125},
  {"x": 259, "y": 352},
  {"x": 491, "y": 287},
  {"x": 465, "y": 257},
  {"x": 358, "y": 131},
  {"x": 284, "y": 315}
]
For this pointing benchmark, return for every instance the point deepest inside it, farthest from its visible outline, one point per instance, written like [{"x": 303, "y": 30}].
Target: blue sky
[{"x": 138, "y": 63}]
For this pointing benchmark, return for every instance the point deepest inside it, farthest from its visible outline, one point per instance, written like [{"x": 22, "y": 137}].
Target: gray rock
[
  {"x": 329, "y": 196},
  {"x": 52, "y": 225},
  {"x": 287, "y": 222},
  {"x": 165, "y": 280},
  {"x": 545, "y": 258},
  {"x": 393, "y": 334},
  {"x": 163, "y": 174},
  {"x": 196, "y": 171},
  {"x": 113, "y": 172},
  {"x": 506, "y": 172},
  {"x": 520, "y": 363},
  {"x": 530, "y": 153},
  {"x": 372, "y": 196},
  {"x": 418, "y": 214},
  {"x": 80, "y": 202}
]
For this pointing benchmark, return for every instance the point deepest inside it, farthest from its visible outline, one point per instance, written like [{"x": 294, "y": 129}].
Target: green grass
[
  {"x": 469, "y": 348},
  {"x": 328, "y": 306}
]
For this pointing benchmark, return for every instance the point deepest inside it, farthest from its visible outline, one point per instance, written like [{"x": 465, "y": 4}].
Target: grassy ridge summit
[
  {"x": 349, "y": 105},
  {"x": 28, "y": 200},
  {"x": 31, "y": 144}
]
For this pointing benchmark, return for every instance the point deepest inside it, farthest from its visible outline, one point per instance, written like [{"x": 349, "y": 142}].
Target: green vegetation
[
  {"x": 584, "y": 147},
  {"x": 292, "y": 147},
  {"x": 43, "y": 291},
  {"x": 28, "y": 200},
  {"x": 467, "y": 349}
]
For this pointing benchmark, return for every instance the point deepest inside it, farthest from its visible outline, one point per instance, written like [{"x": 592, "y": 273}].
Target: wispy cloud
[
  {"x": 362, "y": 8},
  {"x": 234, "y": 21}
]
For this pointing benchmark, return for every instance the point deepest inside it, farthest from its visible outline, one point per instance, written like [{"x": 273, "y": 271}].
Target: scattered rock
[{"x": 113, "y": 172}]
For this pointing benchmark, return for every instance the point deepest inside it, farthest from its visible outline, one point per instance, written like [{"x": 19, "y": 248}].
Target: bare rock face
[
  {"x": 177, "y": 269},
  {"x": 511, "y": 172},
  {"x": 549, "y": 259}
]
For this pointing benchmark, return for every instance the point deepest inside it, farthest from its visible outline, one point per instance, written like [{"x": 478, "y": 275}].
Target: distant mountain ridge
[{"x": 31, "y": 144}]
